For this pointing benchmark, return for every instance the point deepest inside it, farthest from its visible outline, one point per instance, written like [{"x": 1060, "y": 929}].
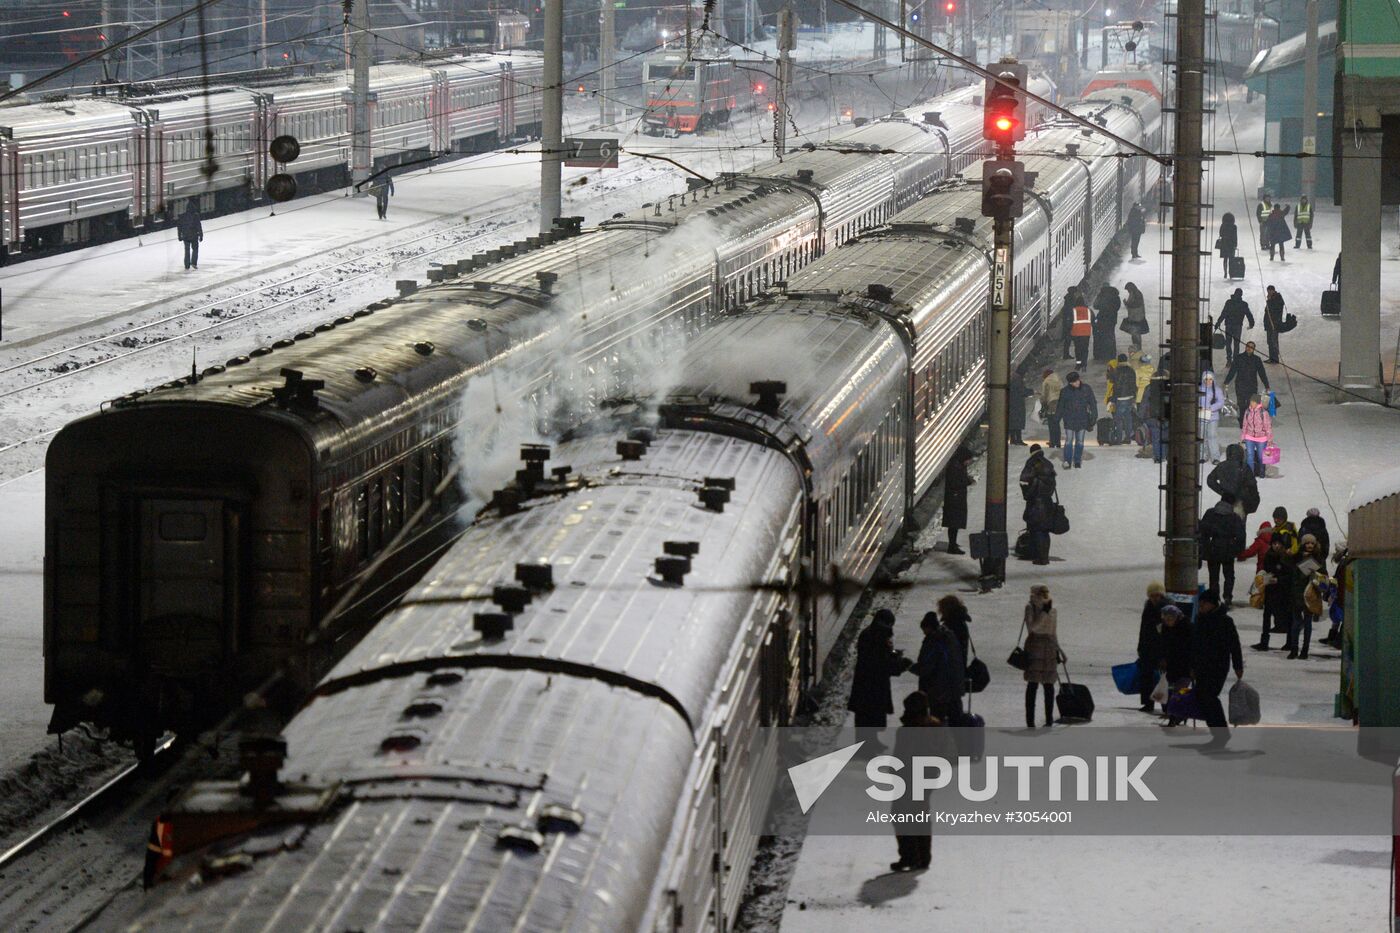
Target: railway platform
[{"x": 1097, "y": 576}]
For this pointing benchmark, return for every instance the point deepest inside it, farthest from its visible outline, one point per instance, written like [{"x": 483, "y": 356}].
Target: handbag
[
  {"x": 1162, "y": 690},
  {"x": 1244, "y": 705},
  {"x": 1018, "y": 658},
  {"x": 1272, "y": 454},
  {"x": 1125, "y": 677},
  {"x": 1059, "y": 521},
  {"x": 978, "y": 676}
]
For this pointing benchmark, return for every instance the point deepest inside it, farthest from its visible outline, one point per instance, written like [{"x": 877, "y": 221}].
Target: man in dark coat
[
  {"x": 1314, "y": 524},
  {"x": 955, "y": 483},
  {"x": 1149, "y": 645},
  {"x": 1106, "y": 308},
  {"x": 1247, "y": 372},
  {"x": 1275, "y": 232},
  {"x": 1038, "y": 489},
  {"x": 1123, "y": 389},
  {"x": 1233, "y": 316},
  {"x": 877, "y": 661},
  {"x": 1137, "y": 226},
  {"x": 1079, "y": 410},
  {"x": 1235, "y": 483},
  {"x": 1273, "y": 322},
  {"x": 941, "y": 668},
  {"x": 191, "y": 232},
  {"x": 1215, "y": 649},
  {"x": 1016, "y": 406},
  {"x": 1222, "y": 536},
  {"x": 382, "y": 191},
  {"x": 1279, "y": 609}
]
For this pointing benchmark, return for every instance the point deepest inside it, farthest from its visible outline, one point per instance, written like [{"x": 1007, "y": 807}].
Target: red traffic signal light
[
  {"x": 1004, "y": 107},
  {"x": 950, "y": 7}
]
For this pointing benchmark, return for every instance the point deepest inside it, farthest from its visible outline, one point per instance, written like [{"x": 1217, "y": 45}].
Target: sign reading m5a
[{"x": 591, "y": 153}]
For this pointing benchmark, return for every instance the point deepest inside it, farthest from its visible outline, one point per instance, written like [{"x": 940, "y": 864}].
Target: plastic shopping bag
[
  {"x": 1244, "y": 704},
  {"x": 1159, "y": 692}
]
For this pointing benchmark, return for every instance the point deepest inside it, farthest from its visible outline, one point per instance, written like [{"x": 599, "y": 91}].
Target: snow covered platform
[{"x": 1097, "y": 575}]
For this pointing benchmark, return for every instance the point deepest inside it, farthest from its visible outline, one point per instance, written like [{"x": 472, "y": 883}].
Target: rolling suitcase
[
  {"x": 1074, "y": 701},
  {"x": 1103, "y": 432},
  {"x": 971, "y": 733},
  {"x": 1332, "y": 302},
  {"x": 1236, "y": 267}
]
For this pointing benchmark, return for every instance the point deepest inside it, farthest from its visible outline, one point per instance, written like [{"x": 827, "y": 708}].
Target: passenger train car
[
  {"x": 561, "y": 726},
  {"x": 197, "y": 532},
  {"x": 86, "y": 169}
]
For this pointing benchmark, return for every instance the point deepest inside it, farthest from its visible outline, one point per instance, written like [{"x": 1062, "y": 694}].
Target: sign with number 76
[{"x": 591, "y": 153}]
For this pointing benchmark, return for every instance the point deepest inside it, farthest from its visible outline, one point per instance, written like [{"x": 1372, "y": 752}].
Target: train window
[
  {"x": 393, "y": 502},
  {"x": 323, "y": 530},
  {"x": 376, "y": 514},
  {"x": 183, "y": 526}
]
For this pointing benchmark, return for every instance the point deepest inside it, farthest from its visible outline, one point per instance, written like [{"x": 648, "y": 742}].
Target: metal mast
[
  {"x": 787, "y": 39},
  {"x": 552, "y": 132},
  {"x": 359, "y": 93},
  {"x": 1309, "y": 165},
  {"x": 1183, "y": 472},
  {"x": 607, "y": 78}
]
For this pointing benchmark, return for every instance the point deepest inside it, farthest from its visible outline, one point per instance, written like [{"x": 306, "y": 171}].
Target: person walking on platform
[
  {"x": 1228, "y": 242},
  {"x": 1016, "y": 406},
  {"x": 1314, "y": 524},
  {"x": 1135, "y": 316},
  {"x": 1234, "y": 314},
  {"x": 1256, "y": 430},
  {"x": 915, "y": 737},
  {"x": 1279, "y": 572},
  {"x": 1222, "y": 535},
  {"x": 1137, "y": 226},
  {"x": 1106, "y": 307},
  {"x": 1079, "y": 411},
  {"x": 1153, "y": 405},
  {"x": 1302, "y": 222},
  {"x": 1176, "y": 650},
  {"x": 382, "y": 190},
  {"x": 1310, "y": 562},
  {"x": 1212, "y": 400},
  {"x": 877, "y": 661},
  {"x": 1081, "y": 329},
  {"x": 1071, "y": 300},
  {"x": 1276, "y": 233},
  {"x": 1246, "y": 371},
  {"x": 1273, "y": 322},
  {"x": 191, "y": 233},
  {"x": 1050, "y": 388},
  {"x": 1043, "y": 651},
  {"x": 1123, "y": 388},
  {"x": 955, "y": 482},
  {"x": 1233, "y": 481},
  {"x": 1149, "y": 645},
  {"x": 1215, "y": 648},
  {"x": 1038, "y": 489}
]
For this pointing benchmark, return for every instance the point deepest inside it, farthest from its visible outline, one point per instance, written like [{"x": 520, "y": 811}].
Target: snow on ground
[
  {"x": 1097, "y": 574},
  {"x": 328, "y": 248}
]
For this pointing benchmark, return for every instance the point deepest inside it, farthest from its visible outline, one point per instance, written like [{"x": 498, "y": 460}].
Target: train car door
[{"x": 187, "y": 583}]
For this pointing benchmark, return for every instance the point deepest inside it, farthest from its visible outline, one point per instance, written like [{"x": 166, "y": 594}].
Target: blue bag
[
  {"x": 1273, "y": 404},
  {"x": 1126, "y": 677},
  {"x": 1182, "y": 704}
]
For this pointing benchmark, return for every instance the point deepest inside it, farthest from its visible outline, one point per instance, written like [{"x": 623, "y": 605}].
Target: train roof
[{"x": 68, "y": 115}]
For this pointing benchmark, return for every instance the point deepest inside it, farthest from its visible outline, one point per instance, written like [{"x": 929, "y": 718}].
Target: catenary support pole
[
  {"x": 607, "y": 72},
  {"x": 993, "y": 569},
  {"x": 359, "y": 95},
  {"x": 787, "y": 38},
  {"x": 552, "y": 134},
  {"x": 262, "y": 42},
  {"x": 1183, "y": 472},
  {"x": 1309, "y": 164}
]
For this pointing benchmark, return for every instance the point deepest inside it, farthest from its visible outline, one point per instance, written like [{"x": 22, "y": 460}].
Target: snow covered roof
[
  {"x": 1291, "y": 51},
  {"x": 1374, "y": 488}
]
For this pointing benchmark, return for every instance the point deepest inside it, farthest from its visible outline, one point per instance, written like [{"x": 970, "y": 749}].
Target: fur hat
[
  {"x": 1314, "y": 513},
  {"x": 1155, "y": 588},
  {"x": 1303, "y": 541}
]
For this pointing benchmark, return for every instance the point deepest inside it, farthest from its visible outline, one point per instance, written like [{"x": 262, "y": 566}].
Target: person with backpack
[
  {"x": 1246, "y": 371},
  {"x": 1221, "y": 534},
  {"x": 1228, "y": 242},
  {"x": 1215, "y": 648},
  {"x": 1273, "y": 323},
  {"x": 941, "y": 668},
  {"x": 1078, "y": 411},
  {"x": 1124, "y": 390},
  {"x": 1137, "y": 226},
  {"x": 1233, "y": 315},
  {"x": 1043, "y": 651},
  {"x": 1106, "y": 307},
  {"x": 1149, "y": 644},
  {"x": 1233, "y": 481},
  {"x": 1038, "y": 489},
  {"x": 1135, "y": 316},
  {"x": 1211, "y": 401},
  {"x": 1256, "y": 430}
]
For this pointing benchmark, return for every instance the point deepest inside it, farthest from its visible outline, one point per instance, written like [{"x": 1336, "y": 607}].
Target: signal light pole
[{"x": 1003, "y": 196}]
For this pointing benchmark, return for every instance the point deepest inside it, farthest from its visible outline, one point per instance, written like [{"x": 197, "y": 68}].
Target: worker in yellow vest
[
  {"x": 1081, "y": 328},
  {"x": 1302, "y": 222}
]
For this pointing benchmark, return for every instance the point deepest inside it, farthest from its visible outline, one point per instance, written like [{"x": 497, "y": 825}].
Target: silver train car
[
  {"x": 87, "y": 169},
  {"x": 561, "y": 727},
  {"x": 196, "y": 532}
]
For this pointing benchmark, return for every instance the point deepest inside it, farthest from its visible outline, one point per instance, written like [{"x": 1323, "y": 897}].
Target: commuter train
[
  {"x": 688, "y": 94},
  {"x": 561, "y": 727},
  {"x": 87, "y": 169},
  {"x": 195, "y": 533}
]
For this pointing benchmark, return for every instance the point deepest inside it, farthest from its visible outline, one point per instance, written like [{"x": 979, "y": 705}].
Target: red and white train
[{"x": 88, "y": 169}]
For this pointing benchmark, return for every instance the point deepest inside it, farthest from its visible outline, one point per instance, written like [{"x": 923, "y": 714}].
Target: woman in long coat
[
  {"x": 1043, "y": 650},
  {"x": 1107, "y": 304},
  {"x": 955, "y": 482},
  {"x": 1228, "y": 243},
  {"x": 1135, "y": 315},
  {"x": 1276, "y": 233}
]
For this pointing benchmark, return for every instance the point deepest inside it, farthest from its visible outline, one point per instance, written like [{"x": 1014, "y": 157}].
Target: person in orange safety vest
[{"x": 1080, "y": 328}]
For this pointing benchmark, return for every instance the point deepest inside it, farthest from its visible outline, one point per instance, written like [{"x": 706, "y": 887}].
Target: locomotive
[
  {"x": 562, "y": 726},
  {"x": 197, "y": 533}
]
